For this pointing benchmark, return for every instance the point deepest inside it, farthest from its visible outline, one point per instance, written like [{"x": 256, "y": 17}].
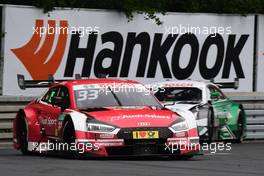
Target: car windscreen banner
[{"x": 65, "y": 42}]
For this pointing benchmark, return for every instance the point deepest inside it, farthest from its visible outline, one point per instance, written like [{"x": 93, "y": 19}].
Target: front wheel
[
  {"x": 69, "y": 133},
  {"x": 69, "y": 139}
]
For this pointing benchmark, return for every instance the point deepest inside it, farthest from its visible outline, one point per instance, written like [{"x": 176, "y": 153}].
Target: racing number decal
[{"x": 87, "y": 95}]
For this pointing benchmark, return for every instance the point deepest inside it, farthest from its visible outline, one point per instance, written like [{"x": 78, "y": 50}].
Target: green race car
[{"x": 218, "y": 118}]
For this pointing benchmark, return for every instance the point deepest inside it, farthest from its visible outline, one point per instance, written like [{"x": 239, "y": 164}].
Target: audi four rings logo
[
  {"x": 46, "y": 59},
  {"x": 143, "y": 123}
]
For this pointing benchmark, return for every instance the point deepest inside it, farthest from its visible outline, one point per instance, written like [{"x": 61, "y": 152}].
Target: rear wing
[
  {"x": 23, "y": 84},
  {"x": 227, "y": 85}
]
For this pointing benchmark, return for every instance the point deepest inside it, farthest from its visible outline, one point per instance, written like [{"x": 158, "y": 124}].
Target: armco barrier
[
  {"x": 8, "y": 108},
  {"x": 253, "y": 104}
]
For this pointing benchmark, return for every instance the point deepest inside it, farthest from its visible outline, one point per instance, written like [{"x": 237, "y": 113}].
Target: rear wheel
[
  {"x": 22, "y": 135},
  {"x": 210, "y": 125},
  {"x": 240, "y": 128}
]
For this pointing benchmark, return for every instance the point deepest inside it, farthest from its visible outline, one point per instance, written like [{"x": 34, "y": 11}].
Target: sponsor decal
[
  {"x": 48, "y": 121},
  {"x": 154, "y": 50},
  {"x": 145, "y": 134},
  {"x": 177, "y": 85},
  {"x": 153, "y": 116},
  {"x": 36, "y": 58},
  {"x": 228, "y": 54}
]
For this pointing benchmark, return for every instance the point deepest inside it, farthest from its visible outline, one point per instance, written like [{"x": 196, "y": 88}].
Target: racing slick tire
[
  {"x": 68, "y": 132},
  {"x": 69, "y": 139},
  {"x": 240, "y": 128},
  {"x": 210, "y": 125},
  {"x": 181, "y": 157},
  {"x": 22, "y": 135}
]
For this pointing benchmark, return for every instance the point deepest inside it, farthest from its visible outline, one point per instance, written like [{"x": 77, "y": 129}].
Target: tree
[{"x": 150, "y": 7}]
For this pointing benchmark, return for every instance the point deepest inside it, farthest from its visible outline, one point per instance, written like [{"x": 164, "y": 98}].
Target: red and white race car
[{"x": 102, "y": 117}]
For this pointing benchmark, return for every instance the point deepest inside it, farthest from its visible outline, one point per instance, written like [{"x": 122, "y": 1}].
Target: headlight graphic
[
  {"x": 179, "y": 125},
  {"x": 95, "y": 127}
]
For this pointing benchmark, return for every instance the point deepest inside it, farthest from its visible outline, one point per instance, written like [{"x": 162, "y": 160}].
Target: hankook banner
[
  {"x": 260, "y": 54},
  {"x": 95, "y": 42}
]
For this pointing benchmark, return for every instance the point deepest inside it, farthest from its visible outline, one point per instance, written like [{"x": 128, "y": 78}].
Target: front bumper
[
  {"x": 110, "y": 148},
  {"x": 124, "y": 145}
]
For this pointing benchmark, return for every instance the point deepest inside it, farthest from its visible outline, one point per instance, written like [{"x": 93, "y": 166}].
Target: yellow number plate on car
[{"x": 145, "y": 134}]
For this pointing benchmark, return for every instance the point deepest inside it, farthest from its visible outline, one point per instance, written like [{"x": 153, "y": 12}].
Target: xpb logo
[{"x": 43, "y": 58}]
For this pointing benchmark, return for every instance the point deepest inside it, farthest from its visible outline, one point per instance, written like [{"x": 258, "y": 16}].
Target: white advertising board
[
  {"x": 185, "y": 46},
  {"x": 260, "y": 54}
]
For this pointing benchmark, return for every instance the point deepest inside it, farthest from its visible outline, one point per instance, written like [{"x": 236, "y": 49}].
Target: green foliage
[{"x": 149, "y": 8}]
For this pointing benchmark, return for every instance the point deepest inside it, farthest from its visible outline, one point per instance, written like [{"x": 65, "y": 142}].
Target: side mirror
[
  {"x": 61, "y": 102},
  {"x": 215, "y": 95}
]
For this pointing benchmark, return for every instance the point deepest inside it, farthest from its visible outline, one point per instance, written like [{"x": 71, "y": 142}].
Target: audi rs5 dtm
[
  {"x": 217, "y": 117},
  {"x": 102, "y": 117}
]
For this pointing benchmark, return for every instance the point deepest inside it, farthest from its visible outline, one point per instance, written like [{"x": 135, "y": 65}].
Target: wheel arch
[
  {"x": 235, "y": 109},
  {"x": 79, "y": 123},
  {"x": 32, "y": 126}
]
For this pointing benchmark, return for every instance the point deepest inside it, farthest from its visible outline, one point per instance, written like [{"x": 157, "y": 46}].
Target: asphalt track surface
[{"x": 243, "y": 159}]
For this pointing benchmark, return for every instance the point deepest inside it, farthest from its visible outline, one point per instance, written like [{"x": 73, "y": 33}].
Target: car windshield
[
  {"x": 89, "y": 96},
  {"x": 182, "y": 94}
]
